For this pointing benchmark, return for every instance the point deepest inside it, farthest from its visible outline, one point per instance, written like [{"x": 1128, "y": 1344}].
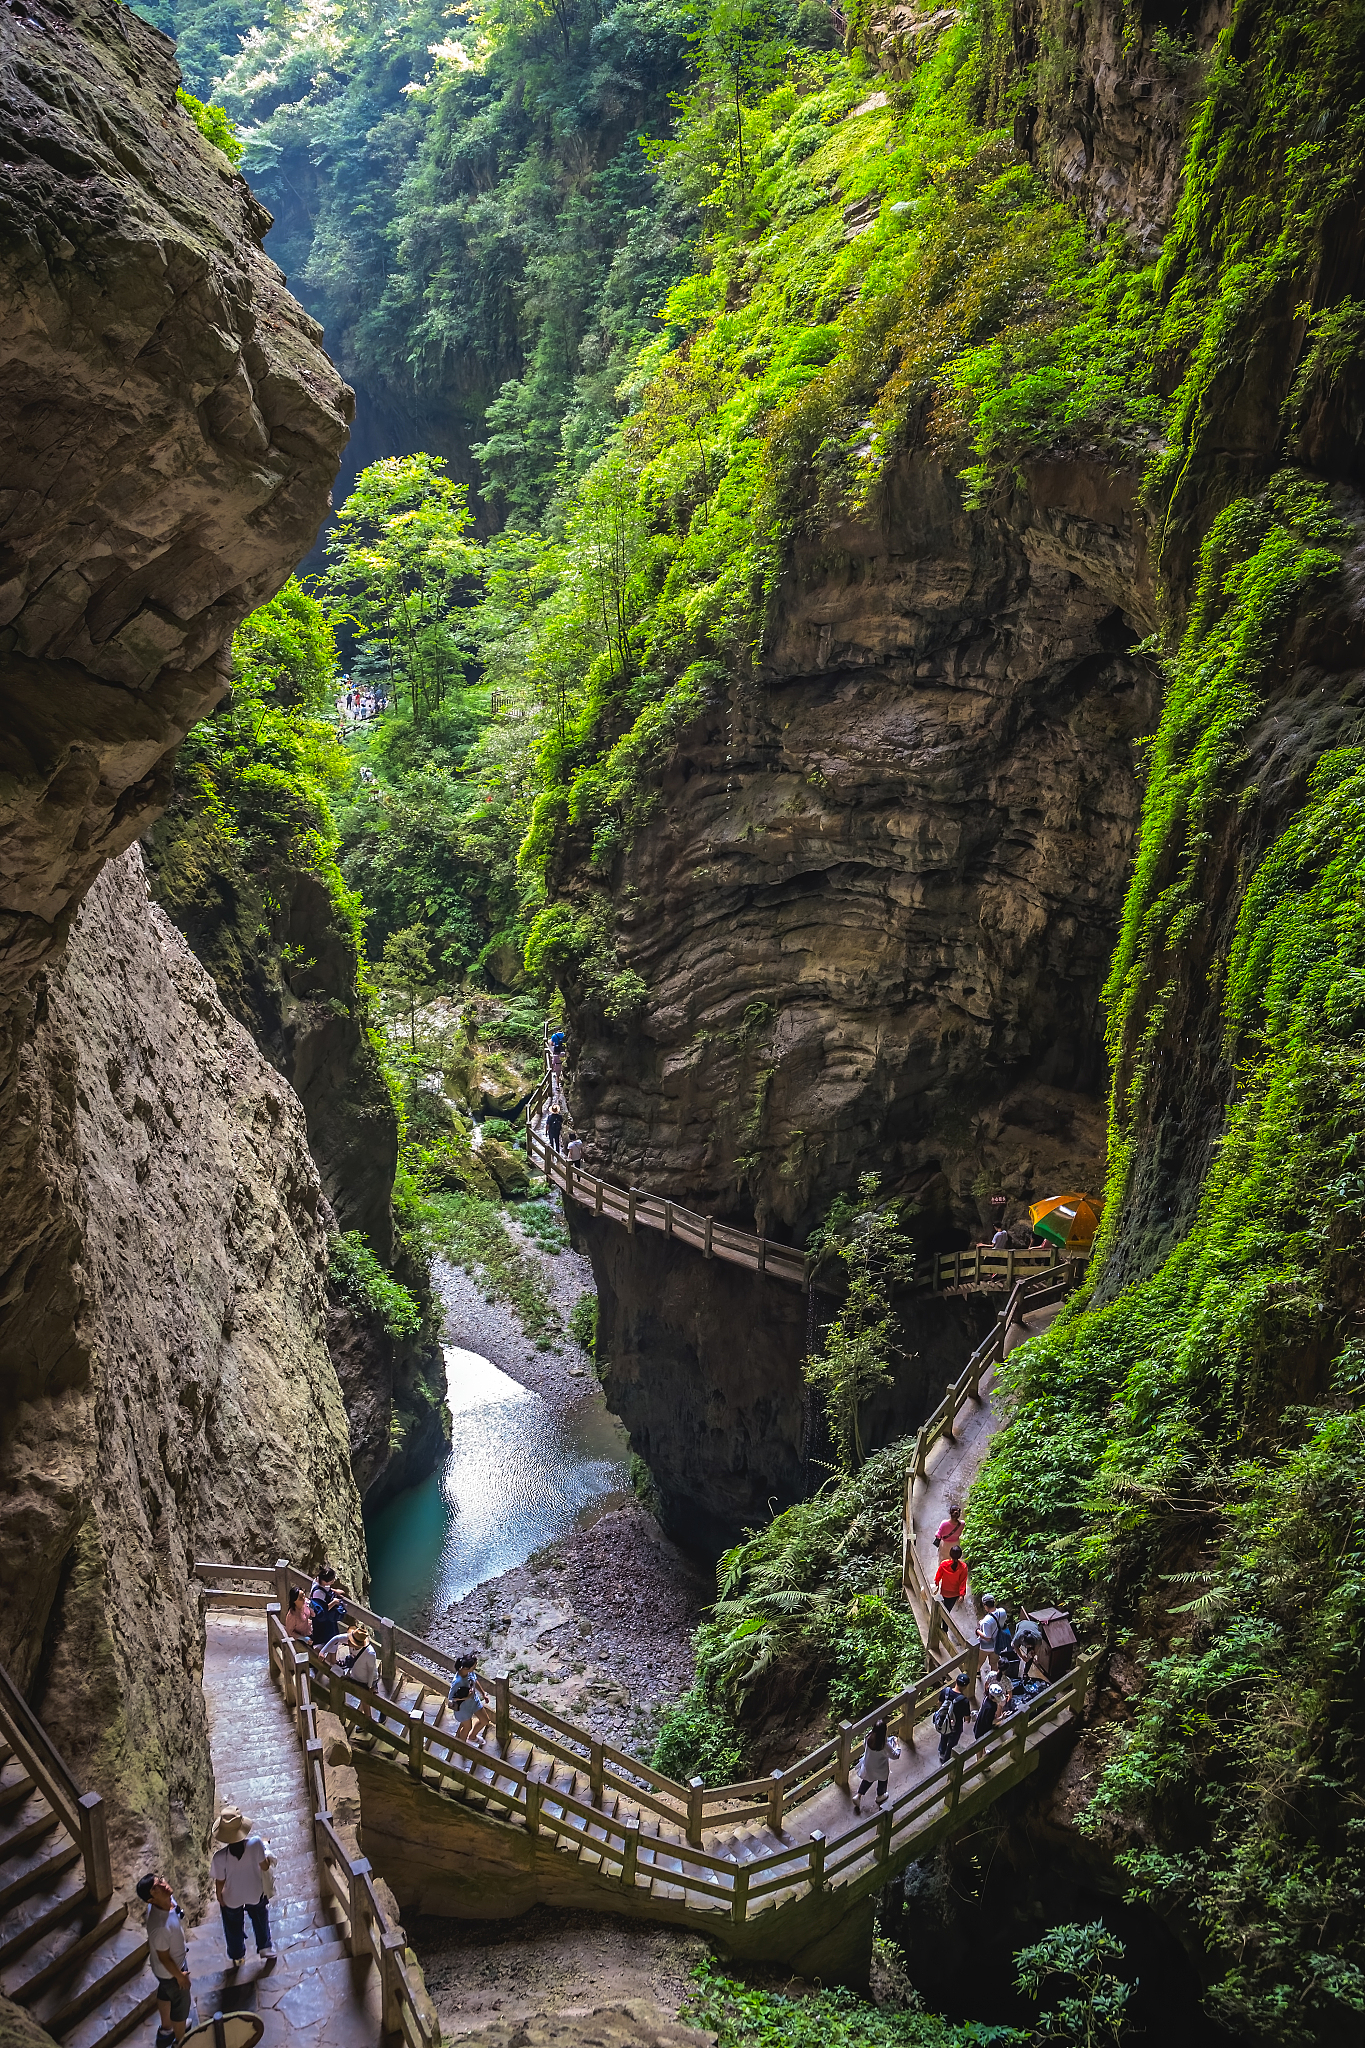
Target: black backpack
[
  {"x": 943, "y": 1712},
  {"x": 1004, "y": 1634}
]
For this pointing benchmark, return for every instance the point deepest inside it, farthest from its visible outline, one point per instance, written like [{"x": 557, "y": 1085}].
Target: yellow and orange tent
[{"x": 1068, "y": 1220}]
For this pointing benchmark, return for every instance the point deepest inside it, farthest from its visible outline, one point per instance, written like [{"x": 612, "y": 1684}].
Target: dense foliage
[{"x": 742, "y": 2016}]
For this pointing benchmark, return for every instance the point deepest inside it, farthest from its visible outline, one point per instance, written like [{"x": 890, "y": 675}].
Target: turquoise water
[{"x": 519, "y": 1474}]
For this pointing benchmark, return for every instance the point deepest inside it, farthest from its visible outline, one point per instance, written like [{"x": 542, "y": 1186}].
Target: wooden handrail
[
  {"x": 1037, "y": 1291},
  {"x": 407, "y": 2007},
  {"x": 408, "y": 1741},
  {"x": 82, "y": 1814}
]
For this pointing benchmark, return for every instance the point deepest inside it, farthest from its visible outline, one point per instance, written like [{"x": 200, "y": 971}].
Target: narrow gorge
[{"x": 772, "y": 608}]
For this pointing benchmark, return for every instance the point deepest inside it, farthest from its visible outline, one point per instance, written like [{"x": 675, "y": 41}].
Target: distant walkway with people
[{"x": 548, "y": 1150}]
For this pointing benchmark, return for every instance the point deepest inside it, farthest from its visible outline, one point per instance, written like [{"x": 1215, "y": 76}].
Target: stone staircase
[{"x": 72, "y": 1950}]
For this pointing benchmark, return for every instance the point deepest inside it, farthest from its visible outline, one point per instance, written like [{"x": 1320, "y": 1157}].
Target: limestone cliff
[
  {"x": 169, "y": 430},
  {"x": 169, "y": 1393}
]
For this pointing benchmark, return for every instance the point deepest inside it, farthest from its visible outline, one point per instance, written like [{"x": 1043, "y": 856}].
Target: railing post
[
  {"x": 595, "y": 1773},
  {"x": 316, "y": 1772},
  {"x": 957, "y": 1269},
  {"x": 282, "y": 1584},
  {"x": 921, "y": 1453},
  {"x": 417, "y": 1724},
  {"x": 568, "y": 1180},
  {"x": 597, "y": 1202},
  {"x": 502, "y": 1694},
  {"x": 936, "y": 1627},
  {"x": 630, "y": 1858},
  {"x": 630, "y": 1211},
  {"x": 1051, "y": 1256},
  {"x": 533, "y": 1807},
  {"x": 695, "y": 1788},
  {"x": 739, "y": 1905},
  {"x": 763, "y": 1268},
  {"x": 978, "y": 1266},
  {"x": 955, "y": 1783},
  {"x": 884, "y": 1821},
  {"x": 99, "y": 1873},
  {"x": 388, "y": 1661},
  {"x": 668, "y": 1219},
  {"x": 973, "y": 1668},
  {"x": 845, "y": 1748},
  {"x": 355, "y": 1904},
  {"x": 706, "y": 1240},
  {"x": 776, "y": 1793},
  {"x": 1009, "y": 1268},
  {"x": 391, "y": 1946},
  {"x": 817, "y": 1861},
  {"x": 951, "y": 1412}
]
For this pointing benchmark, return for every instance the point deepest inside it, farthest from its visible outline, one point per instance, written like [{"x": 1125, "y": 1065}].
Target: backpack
[
  {"x": 1004, "y": 1634},
  {"x": 943, "y": 1712}
]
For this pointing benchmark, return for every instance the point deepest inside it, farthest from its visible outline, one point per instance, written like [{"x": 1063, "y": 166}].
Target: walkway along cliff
[{"x": 774, "y": 1870}]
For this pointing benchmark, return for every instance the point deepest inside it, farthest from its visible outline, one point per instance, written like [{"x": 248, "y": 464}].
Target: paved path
[
  {"x": 315, "y": 1996},
  {"x": 954, "y": 1461}
]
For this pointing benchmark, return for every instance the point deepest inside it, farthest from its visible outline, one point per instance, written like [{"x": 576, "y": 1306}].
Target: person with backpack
[
  {"x": 950, "y": 1529},
  {"x": 951, "y": 1713},
  {"x": 329, "y": 1611},
  {"x": 357, "y": 1659},
  {"x": 951, "y": 1579},
  {"x": 467, "y": 1698},
  {"x": 987, "y": 1630},
  {"x": 554, "y": 1124},
  {"x": 875, "y": 1766},
  {"x": 1028, "y": 1641}
]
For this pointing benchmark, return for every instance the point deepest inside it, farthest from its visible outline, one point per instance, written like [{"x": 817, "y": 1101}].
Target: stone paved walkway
[
  {"x": 314, "y": 1996},
  {"x": 953, "y": 1464}
]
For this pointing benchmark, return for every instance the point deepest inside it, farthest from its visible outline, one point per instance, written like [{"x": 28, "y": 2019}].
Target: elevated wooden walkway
[
  {"x": 949, "y": 1447},
  {"x": 637, "y": 1209},
  {"x": 777, "y": 1869}
]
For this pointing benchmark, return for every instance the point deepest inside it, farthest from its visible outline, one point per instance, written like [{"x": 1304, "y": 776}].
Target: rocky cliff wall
[
  {"x": 169, "y": 430},
  {"x": 169, "y": 1393}
]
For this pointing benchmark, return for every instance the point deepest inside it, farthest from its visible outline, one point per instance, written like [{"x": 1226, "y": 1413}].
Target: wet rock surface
[
  {"x": 559, "y": 1980},
  {"x": 169, "y": 431}
]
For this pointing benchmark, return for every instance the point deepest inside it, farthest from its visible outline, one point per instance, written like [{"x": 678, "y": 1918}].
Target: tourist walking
[
  {"x": 573, "y": 1151},
  {"x": 951, "y": 1713},
  {"x": 298, "y": 1617},
  {"x": 991, "y": 1710},
  {"x": 874, "y": 1768},
  {"x": 951, "y": 1579},
  {"x": 467, "y": 1698},
  {"x": 949, "y": 1530},
  {"x": 242, "y": 1882},
  {"x": 168, "y": 1957},
  {"x": 357, "y": 1657},
  {"x": 987, "y": 1629},
  {"x": 554, "y": 1124}
]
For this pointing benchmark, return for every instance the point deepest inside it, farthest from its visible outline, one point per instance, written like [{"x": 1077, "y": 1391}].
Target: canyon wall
[
  {"x": 169, "y": 1393},
  {"x": 169, "y": 429}
]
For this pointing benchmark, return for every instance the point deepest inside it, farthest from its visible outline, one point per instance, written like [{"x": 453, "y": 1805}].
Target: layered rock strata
[
  {"x": 169, "y": 431},
  {"x": 169, "y": 1393}
]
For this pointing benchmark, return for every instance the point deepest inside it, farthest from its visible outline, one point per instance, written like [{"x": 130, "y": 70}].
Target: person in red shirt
[
  {"x": 950, "y": 1532},
  {"x": 951, "y": 1579}
]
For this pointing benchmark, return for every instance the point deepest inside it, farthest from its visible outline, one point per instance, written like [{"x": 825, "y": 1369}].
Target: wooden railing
[
  {"x": 404, "y": 1735},
  {"x": 82, "y": 1814},
  {"x": 349, "y": 1881},
  {"x": 637, "y": 1209},
  {"x": 1038, "y": 1291}
]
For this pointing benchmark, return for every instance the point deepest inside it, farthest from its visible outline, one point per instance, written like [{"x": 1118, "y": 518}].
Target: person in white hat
[{"x": 239, "y": 1878}]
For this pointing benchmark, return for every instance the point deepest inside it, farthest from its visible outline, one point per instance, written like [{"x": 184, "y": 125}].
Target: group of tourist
[
  {"x": 558, "y": 1111},
  {"x": 357, "y": 702},
  {"x": 1009, "y": 1650},
  {"x": 244, "y": 1882}
]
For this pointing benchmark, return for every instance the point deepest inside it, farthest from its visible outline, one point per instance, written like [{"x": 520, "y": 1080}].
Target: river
[{"x": 519, "y": 1474}]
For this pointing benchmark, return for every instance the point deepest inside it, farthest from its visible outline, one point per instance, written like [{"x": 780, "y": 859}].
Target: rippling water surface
[{"x": 518, "y": 1475}]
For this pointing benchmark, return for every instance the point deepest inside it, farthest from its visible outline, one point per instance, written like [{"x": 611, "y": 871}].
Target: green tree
[
  {"x": 854, "y": 1361},
  {"x": 287, "y": 650},
  {"x": 1093, "y": 2015},
  {"x": 406, "y": 970},
  {"x": 402, "y": 568}
]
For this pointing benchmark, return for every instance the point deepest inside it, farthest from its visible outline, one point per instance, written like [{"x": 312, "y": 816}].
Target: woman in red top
[{"x": 951, "y": 1579}]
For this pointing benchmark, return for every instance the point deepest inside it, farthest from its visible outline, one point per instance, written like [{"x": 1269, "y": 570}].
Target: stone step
[
  {"x": 58, "y": 1889},
  {"x": 34, "y": 1819},
  {"x": 114, "y": 2017},
  {"x": 53, "y": 1951},
  {"x": 88, "y": 1979},
  {"x": 40, "y": 1867},
  {"x": 15, "y": 1785}
]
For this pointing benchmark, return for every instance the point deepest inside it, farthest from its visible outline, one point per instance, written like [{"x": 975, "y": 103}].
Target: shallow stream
[{"x": 519, "y": 1474}]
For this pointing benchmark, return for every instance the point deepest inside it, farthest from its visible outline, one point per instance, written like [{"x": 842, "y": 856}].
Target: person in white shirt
[
  {"x": 239, "y": 1878},
  {"x": 168, "y": 1957},
  {"x": 987, "y": 1630},
  {"x": 356, "y": 1656},
  {"x": 573, "y": 1151}
]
